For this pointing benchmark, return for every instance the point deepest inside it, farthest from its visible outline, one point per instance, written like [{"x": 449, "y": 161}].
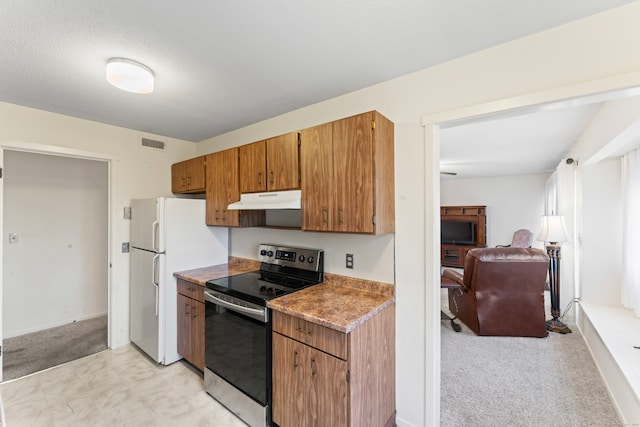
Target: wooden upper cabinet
[
  {"x": 316, "y": 168},
  {"x": 270, "y": 165},
  {"x": 348, "y": 175},
  {"x": 283, "y": 170},
  {"x": 253, "y": 164},
  {"x": 188, "y": 176},
  {"x": 223, "y": 188},
  {"x": 353, "y": 169}
]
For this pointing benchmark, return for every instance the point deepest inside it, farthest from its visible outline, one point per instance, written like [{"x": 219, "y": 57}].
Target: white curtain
[{"x": 631, "y": 231}]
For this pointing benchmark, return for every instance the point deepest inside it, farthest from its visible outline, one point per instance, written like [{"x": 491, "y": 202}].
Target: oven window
[{"x": 236, "y": 349}]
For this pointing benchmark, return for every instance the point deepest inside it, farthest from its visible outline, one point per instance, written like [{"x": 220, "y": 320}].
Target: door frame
[
  {"x": 585, "y": 92},
  {"x": 112, "y": 162}
]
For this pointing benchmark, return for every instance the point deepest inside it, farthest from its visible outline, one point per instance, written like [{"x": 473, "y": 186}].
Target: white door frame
[
  {"x": 112, "y": 162},
  {"x": 586, "y": 92}
]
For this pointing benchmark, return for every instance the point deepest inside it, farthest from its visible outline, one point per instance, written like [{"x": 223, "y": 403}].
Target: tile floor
[{"x": 120, "y": 387}]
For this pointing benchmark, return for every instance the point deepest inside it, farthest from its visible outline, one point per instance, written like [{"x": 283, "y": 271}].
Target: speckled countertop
[
  {"x": 341, "y": 303},
  {"x": 233, "y": 267}
]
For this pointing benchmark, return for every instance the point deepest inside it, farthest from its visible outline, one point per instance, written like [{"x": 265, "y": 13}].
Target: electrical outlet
[
  {"x": 349, "y": 263},
  {"x": 125, "y": 247}
]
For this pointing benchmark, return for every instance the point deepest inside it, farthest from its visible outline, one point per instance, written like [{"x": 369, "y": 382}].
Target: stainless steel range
[{"x": 238, "y": 328}]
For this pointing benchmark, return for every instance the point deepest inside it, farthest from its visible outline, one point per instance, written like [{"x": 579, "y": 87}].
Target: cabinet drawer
[
  {"x": 191, "y": 290},
  {"x": 318, "y": 336}
]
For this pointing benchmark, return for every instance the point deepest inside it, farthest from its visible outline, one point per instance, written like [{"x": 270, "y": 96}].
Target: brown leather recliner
[{"x": 501, "y": 291}]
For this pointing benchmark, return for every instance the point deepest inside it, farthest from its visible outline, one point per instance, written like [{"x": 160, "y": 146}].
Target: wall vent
[{"x": 152, "y": 143}]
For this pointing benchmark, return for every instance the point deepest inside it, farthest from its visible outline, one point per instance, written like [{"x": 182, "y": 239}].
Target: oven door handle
[{"x": 251, "y": 312}]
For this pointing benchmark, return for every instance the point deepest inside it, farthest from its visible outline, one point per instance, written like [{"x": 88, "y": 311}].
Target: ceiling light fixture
[{"x": 130, "y": 75}]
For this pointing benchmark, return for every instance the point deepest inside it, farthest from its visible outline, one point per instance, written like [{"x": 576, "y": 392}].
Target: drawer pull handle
[
  {"x": 299, "y": 329},
  {"x": 295, "y": 360},
  {"x": 313, "y": 366}
]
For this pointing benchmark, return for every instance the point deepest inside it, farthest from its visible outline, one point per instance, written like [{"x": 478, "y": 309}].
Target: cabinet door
[
  {"x": 229, "y": 185},
  {"x": 288, "y": 384},
  {"x": 222, "y": 187},
  {"x": 213, "y": 214},
  {"x": 317, "y": 185},
  {"x": 195, "y": 174},
  {"x": 179, "y": 177},
  {"x": 282, "y": 162},
  {"x": 184, "y": 327},
  {"x": 353, "y": 169},
  {"x": 253, "y": 163},
  {"x": 327, "y": 390},
  {"x": 197, "y": 334}
]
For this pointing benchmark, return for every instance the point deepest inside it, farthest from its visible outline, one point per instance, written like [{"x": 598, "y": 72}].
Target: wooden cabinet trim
[
  {"x": 192, "y": 290},
  {"x": 318, "y": 336}
]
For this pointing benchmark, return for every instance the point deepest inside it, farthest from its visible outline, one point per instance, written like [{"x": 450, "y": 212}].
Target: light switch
[
  {"x": 127, "y": 212},
  {"x": 13, "y": 237}
]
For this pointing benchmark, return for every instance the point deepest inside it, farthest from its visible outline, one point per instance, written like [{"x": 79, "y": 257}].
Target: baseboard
[
  {"x": 42, "y": 327},
  {"x": 611, "y": 334}
]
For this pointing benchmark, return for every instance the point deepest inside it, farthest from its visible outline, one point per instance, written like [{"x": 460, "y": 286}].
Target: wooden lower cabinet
[
  {"x": 322, "y": 377},
  {"x": 310, "y": 388},
  {"x": 191, "y": 323}
]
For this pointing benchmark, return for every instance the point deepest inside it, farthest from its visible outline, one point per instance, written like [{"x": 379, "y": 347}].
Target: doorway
[
  {"x": 585, "y": 92},
  {"x": 55, "y": 257}
]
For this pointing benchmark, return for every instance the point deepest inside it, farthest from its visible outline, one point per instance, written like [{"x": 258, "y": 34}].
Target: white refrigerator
[{"x": 167, "y": 235}]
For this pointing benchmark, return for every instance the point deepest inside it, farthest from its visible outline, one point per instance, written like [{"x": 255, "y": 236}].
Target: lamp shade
[
  {"x": 552, "y": 229},
  {"x": 130, "y": 75}
]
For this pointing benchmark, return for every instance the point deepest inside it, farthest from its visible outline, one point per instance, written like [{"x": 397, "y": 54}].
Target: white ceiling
[
  {"x": 522, "y": 144},
  {"x": 223, "y": 65}
]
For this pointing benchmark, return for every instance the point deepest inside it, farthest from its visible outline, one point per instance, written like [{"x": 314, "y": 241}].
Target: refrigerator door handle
[
  {"x": 154, "y": 279},
  {"x": 154, "y": 236}
]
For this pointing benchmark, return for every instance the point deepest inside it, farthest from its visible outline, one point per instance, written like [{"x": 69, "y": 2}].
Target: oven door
[{"x": 238, "y": 356}]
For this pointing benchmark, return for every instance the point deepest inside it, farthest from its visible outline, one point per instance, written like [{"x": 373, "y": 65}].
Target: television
[{"x": 457, "y": 232}]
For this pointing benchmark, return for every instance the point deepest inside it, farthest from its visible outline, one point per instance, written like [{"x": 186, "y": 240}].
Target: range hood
[{"x": 271, "y": 200}]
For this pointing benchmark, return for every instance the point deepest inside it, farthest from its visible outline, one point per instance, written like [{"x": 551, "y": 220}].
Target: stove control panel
[{"x": 303, "y": 258}]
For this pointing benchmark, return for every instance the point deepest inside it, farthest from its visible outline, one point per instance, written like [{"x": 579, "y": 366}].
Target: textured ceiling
[{"x": 223, "y": 65}]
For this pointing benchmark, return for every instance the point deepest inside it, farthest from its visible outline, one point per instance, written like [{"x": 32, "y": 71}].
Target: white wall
[
  {"x": 602, "y": 233},
  {"x": 373, "y": 255},
  {"x": 513, "y": 202},
  {"x": 137, "y": 172},
  {"x": 57, "y": 272},
  {"x": 600, "y": 206}
]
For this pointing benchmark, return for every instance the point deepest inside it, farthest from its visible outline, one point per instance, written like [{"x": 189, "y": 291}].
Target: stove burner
[
  {"x": 274, "y": 279},
  {"x": 271, "y": 291}
]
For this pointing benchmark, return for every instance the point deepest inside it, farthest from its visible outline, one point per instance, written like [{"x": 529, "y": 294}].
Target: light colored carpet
[
  {"x": 511, "y": 381},
  {"x": 26, "y": 354}
]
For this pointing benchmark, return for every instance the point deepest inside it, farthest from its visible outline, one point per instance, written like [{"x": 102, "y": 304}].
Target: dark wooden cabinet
[
  {"x": 223, "y": 188},
  {"x": 453, "y": 255},
  {"x": 324, "y": 377},
  {"x": 270, "y": 165},
  {"x": 191, "y": 322},
  {"x": 348, "y": 175},
  {"x": 188, "y": 176},
  {"x": 344, "y": 168}
]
